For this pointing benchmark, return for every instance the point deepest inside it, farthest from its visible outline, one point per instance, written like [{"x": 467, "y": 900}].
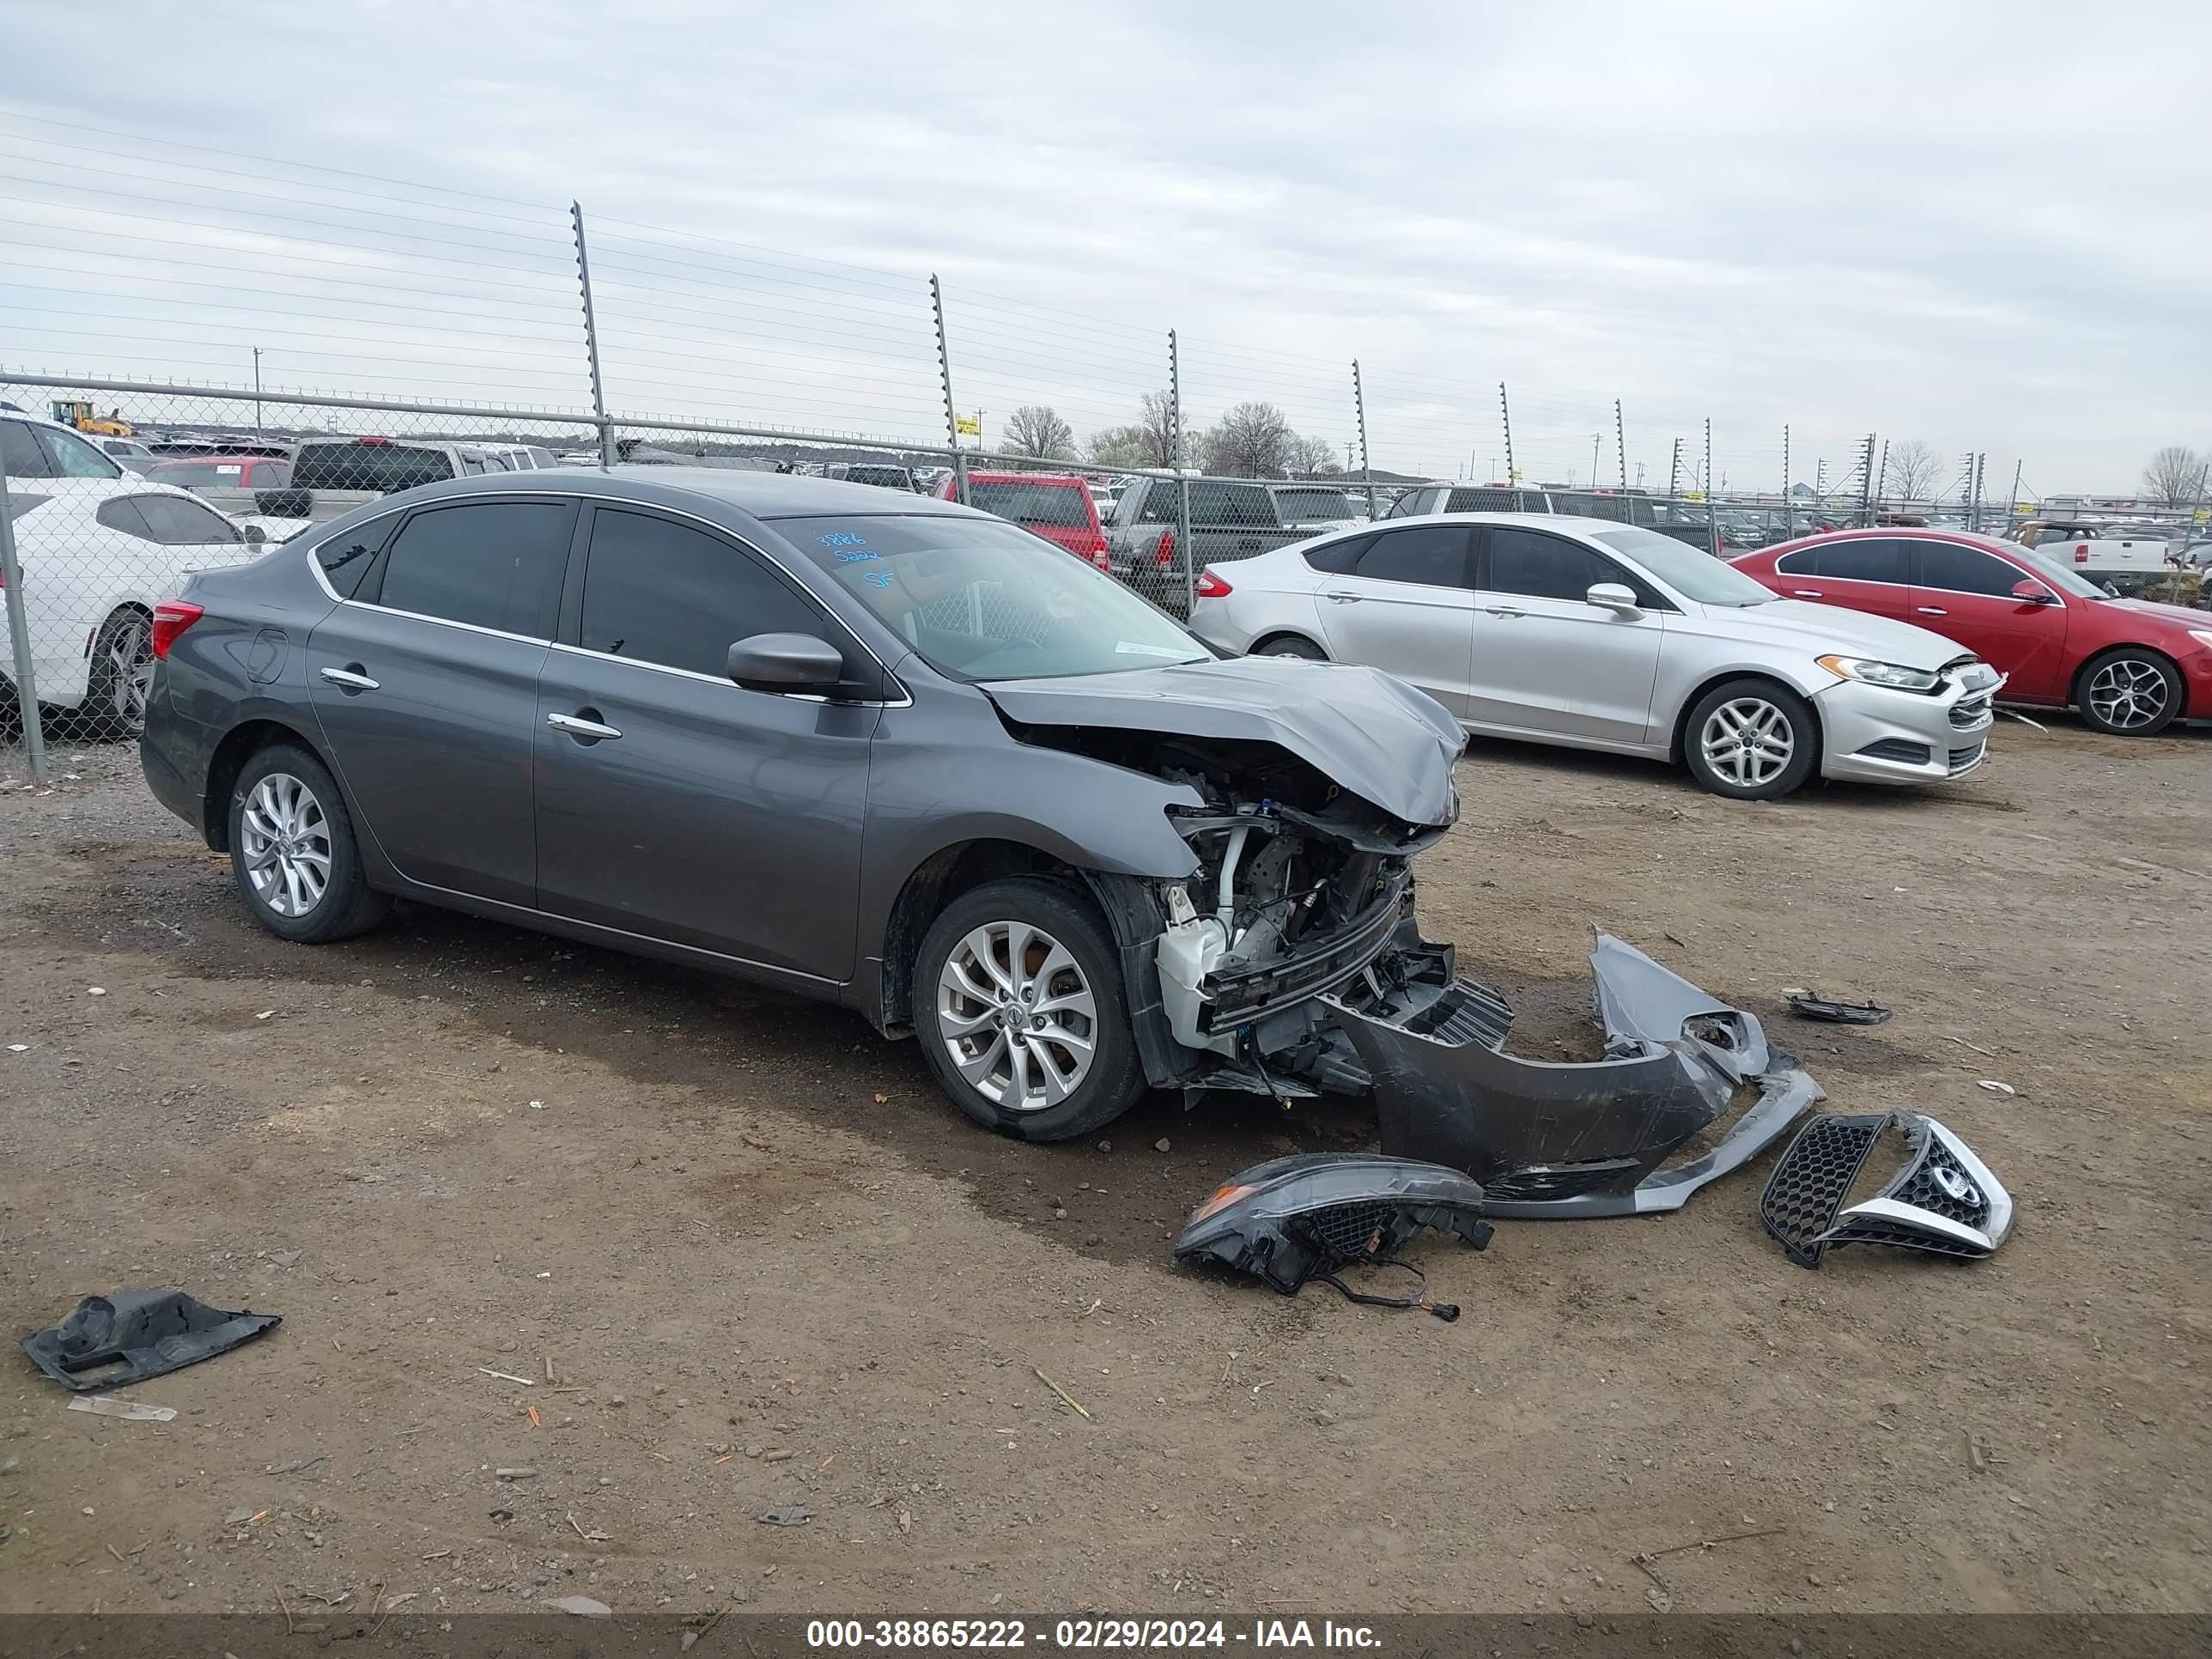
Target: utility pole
[
  {"x": 1620, "y": 440},
  {"x": 591, "y": 344},
  {"x": 951, "y": 410},
  {"x": 257, "y": 392},
  {"x": 1505, "y": 416}
]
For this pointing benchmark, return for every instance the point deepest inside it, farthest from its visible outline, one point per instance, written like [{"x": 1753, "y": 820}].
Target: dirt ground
[{"x": 750, "y": 1260}]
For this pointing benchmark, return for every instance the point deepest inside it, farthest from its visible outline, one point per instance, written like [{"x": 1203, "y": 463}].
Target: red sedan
[{"x": 2130, "y": 666}]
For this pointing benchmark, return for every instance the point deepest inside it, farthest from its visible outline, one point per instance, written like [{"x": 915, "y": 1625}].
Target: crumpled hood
[
  {"x": 1823, "y": 627},
  {"x": 1368, "y": 733}
]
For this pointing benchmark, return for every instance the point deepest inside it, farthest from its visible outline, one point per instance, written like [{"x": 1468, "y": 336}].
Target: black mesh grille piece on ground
[{"x": 1811, "y": 1179}]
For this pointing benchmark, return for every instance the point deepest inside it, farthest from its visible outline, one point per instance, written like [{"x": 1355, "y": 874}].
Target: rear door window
[
  {"x": 1957, "y": 569},
  {"x": 177, "y": 521},
  {"x": 660, "y": 591},
  {"x": 1430, "y": 555},
  {"x": 490, "y": 564}
]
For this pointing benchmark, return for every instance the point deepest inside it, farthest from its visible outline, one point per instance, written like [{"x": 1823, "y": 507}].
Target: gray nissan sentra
[{"x": 877, "y": 749}]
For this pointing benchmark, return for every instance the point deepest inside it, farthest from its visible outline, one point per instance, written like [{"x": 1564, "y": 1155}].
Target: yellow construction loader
[{"x": 84, "y": 417}]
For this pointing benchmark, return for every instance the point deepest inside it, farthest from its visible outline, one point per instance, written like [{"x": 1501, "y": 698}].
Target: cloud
[{"x": 1874, "y": 217}]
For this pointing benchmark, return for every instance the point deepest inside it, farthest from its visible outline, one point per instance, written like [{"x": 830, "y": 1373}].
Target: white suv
[{"x": 99, "y": 548}]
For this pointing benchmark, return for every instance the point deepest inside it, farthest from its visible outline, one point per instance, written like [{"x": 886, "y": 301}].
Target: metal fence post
[
  {"x": 1675, "y": 472},
  {"x": 591, "y": 342},
  {"x": 1713, "y": 506},
  {"x": 2012, "y": 501},
  {"x": 1881, "y": 478},
  {"x": 1505, "y": 416},
  {"x": 1366, "y": 463},
  {"x": 1182, "y": 481},
  {"x": 1789, "y": 507},
  {"x": 19, "y": 638},
  {"x": 1620, "y": 438},
  {"x": 951, "y": 414}
]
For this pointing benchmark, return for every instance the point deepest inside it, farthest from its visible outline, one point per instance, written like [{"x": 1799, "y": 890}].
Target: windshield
[
  {"x": 2050, "y": 570},
  {"x": 1313, "y": 504},
  {"x": 985, "y": 601},
  {"x": 1691, "y": 573}
]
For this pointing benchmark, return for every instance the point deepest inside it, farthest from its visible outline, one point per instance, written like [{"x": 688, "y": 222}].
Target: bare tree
[
  {"x": 1037, "y": 429},
  {"x": 1252, "y": 441},
  {"x": 2175, "y": 476},
  {"x": 1312, "y": 458},
  {"x": 1149, "y": 441},
  {"x": 1915, "y": 470}
]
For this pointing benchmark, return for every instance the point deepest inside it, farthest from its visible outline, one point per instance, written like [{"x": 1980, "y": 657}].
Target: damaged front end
[
  {"x": 1561, "y": 1139},
  {"x": 1316, "y": 785}
]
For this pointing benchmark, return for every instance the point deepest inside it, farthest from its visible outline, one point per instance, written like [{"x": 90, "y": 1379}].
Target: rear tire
[
  {"x": 2130, "y": 692},
  {"x": 1289, "y": 644},
  {"x": 1751, "y": 739},
  {"x": 122, "y": 676},
  {"x": 293, "y": 853},
  {"x": 1021, "y": 1014}
]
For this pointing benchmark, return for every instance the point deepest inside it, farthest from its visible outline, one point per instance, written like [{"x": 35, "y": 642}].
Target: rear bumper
[{"x": 1871, "y": 734}]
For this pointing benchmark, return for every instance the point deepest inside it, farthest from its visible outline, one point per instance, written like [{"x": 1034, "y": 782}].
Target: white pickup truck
[{"x": 2099, "y": 551}]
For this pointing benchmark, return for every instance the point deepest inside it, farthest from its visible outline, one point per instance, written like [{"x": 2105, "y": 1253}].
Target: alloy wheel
[
  {"x": 130, "y": 672},
  {"x": 1017, "y": 1016},
  {"x": 2127, "y": 693},
  {"x": 286, "y": 840},
  {"x": 1747, "y": 741}
]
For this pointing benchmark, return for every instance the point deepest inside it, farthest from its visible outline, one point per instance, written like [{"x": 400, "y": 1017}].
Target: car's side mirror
[
  {"x": 2028, "y": 591},
  {"x": 1616, "y": 597},
  {"x": 255, "y": 535},
  {"x": 788, "y": 663}
]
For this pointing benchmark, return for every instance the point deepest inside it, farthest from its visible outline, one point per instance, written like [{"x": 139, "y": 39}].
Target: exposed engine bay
[{"x": 1300, "y": 885}]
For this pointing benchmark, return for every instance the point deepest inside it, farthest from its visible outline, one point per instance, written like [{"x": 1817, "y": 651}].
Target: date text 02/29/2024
[{"x": 835, "y": 1635}]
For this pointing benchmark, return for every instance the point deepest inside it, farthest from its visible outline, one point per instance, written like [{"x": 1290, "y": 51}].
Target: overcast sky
[{"x": 1984, "y": 226}]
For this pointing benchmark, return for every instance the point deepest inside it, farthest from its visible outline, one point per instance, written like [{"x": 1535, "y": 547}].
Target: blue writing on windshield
[
  {"x": 842, "y": 538},
  {"x": 847, "y": 555},
  {"x": 877, "y": 578}
]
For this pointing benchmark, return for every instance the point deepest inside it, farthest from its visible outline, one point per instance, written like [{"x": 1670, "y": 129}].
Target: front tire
[
  {"x": 1751, "y": 739},
  {"x": 1021, "y": 1014},
  {"x": 2130, "y": 692},
  {"x": 293, "y": 853}
]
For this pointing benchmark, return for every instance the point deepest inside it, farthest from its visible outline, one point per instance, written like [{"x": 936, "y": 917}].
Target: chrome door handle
[
  {"x": 1503, "y": 610},
  {"x": 576, "y": 727},
  {"x": 1804, "y": 593},
  {"x": 1932, "y": 610},
  {"x": 348, "y": 680},
  {"x": 1342, "y": 598}
]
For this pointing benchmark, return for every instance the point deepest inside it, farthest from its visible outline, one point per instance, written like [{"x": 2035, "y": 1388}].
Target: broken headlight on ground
[
  {"x": 1554, "y": 1138},
  {"x": 1939, "y": 1197},
  {"x": 1293, "y": 1219}
]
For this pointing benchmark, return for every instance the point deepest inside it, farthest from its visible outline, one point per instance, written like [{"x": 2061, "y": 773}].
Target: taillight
[
  {"x": 2081, "y": 554},
  {"x": 170, "y": 618},
  {"x": 1100, "y": 558},
  {"x": 1164, "y": 553},
  {"x": 1211, "y": 586}
]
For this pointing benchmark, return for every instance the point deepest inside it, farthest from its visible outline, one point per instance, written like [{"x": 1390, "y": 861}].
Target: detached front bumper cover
[{"x": 1548, "y": 1138}]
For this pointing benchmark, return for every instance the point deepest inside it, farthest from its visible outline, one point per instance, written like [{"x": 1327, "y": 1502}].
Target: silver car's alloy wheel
[
  {"x": 129, "y": 653},
  {"x": 1747, "y": 741},
  {"x": 286, "y": 840},
  {"x": 2127, "y": 693},
  {"x": 1017, "y": 1016}
]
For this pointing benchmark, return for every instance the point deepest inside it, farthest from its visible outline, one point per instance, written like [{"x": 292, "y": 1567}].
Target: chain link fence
[{"x": 365, "y": 335}]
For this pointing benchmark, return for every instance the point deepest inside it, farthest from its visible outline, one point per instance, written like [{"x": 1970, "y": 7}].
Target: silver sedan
[{"x": 1602, "y": 635}]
